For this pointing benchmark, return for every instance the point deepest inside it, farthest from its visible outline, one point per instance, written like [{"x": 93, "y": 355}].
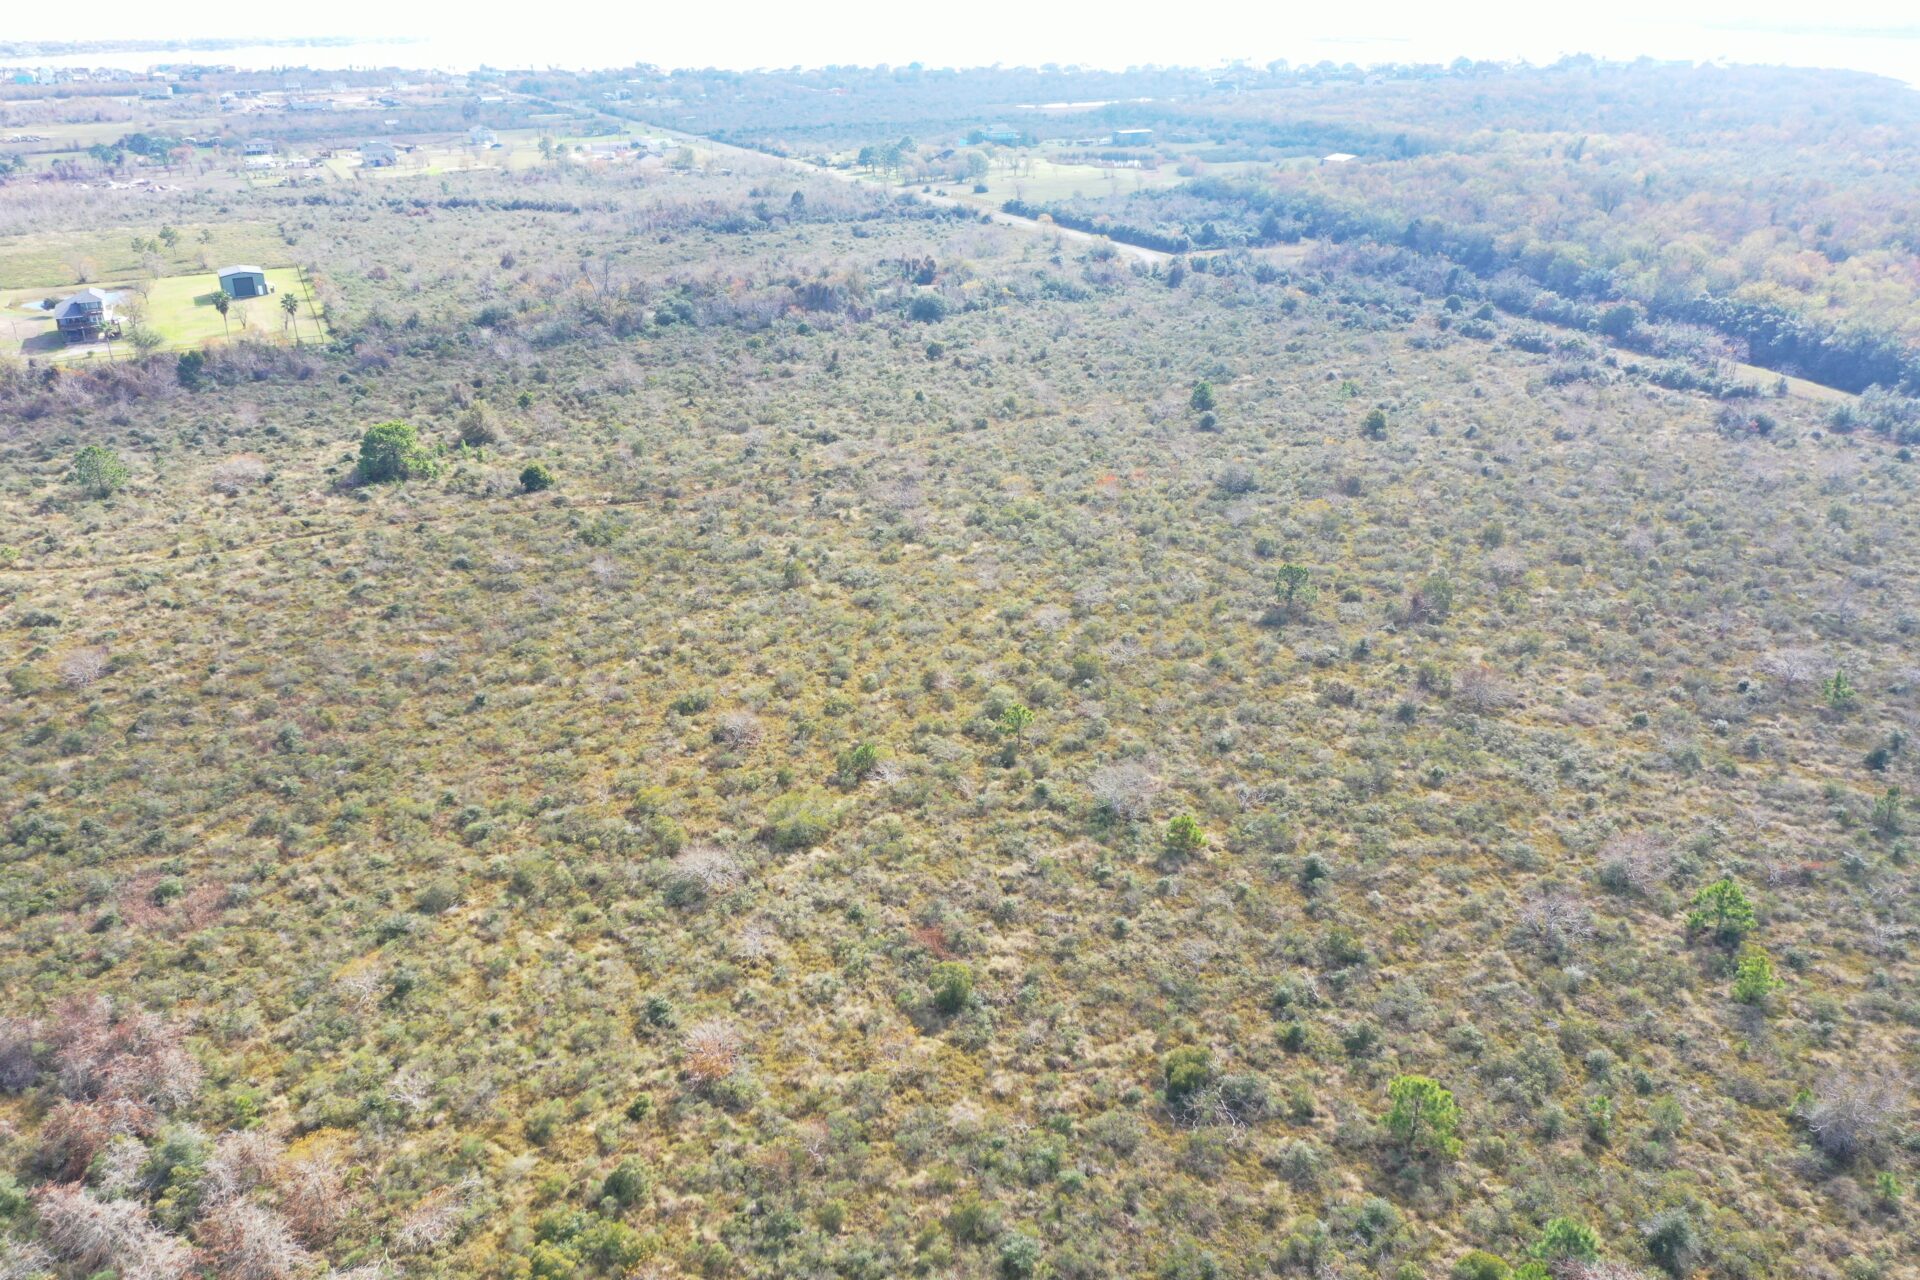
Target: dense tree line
[{"x": 1125, "y": 233}]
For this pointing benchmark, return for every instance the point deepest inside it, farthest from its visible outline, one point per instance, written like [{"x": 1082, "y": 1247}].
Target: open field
[{"x": 66, "y": 259}]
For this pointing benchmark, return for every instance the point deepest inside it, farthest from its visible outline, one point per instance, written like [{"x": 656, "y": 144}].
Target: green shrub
[
  {"x": 536, "y": 478},
  {"x": 1019, "y": 1256},
  {"x": 968, "y": 1221},
  {"x": 392, "y": 451},
  {"x": 543, "y": 1121},
  {"x": 952, "y": 984},
  {"x": 801, "y": 819},
  {"x": 855, "y": 763},
  {"x": 1672, "y": 1241},
  {"x": 1566, "y": 1238},
  {"x": 1481, "y": 1265},
  {"x": 1184, "y": 1073},
  {"x": 627, "y": 1185}
]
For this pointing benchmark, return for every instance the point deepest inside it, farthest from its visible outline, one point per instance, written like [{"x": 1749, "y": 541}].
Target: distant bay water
[{"x": 1892, "y": 50}]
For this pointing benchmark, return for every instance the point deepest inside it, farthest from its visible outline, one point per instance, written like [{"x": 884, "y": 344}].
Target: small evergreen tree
[
  {"x": 98, "y": 471},
  {"x": 1288, "y": 582},
  {"x": 1203, "y": 397},
  {"x": 1423, "y": 1118},
  {"x": 1186, "y": 838},
  {"x": 1723, "y": 910},
  {"x": 1753, "y": 979}
]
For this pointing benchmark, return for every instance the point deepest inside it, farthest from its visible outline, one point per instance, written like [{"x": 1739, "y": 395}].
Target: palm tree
[
  {"x": 221, "y": 301},
  {"x": 291, "y": 304}
]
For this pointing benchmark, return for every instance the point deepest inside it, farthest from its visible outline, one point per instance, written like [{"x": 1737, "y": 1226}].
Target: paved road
[{"x": 1149, "y": 256}]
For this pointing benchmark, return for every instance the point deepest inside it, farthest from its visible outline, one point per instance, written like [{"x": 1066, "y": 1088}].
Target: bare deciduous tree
[
  {"x": 241, "y": 1161},
  {"x": 1793, "y": 668},
  {"x": 1126, "y": 790},
  {"x": 96, "y": 1233},
  {"x": 712, "y": 1051},
  {"x": 707, "y": 870},
  {"x": 247, "y": 1241},
  {"x": 83, "y": 666},
  {"x": 108, "y": 1054},
  {"x": 1638, "y": 861},
  {"x": 1478, "y": 687},
  {"x": 1556, "y": 922},
  {"x": 19, "y": 1068},
  {"x": 313, "y": 1196},
  {"x": 1852, "y": 1112},
  {"x": 737, "y": 729},
  {"x": 1506, "y": 566},
  {"x": 243, "y": 471},
  {"x": 436, "y": 1218}
]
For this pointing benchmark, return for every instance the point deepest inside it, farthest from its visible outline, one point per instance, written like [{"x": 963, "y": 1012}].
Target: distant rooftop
[{"x": 78, "y": 302}]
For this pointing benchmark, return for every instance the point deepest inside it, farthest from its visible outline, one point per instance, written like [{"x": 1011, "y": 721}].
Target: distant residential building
[
  {"x": 244, "y": 282},
  {"x": 1132, "y": 137},
  {"x": 259, "y": 147},
  {"x": 378, "y": 153},
  {"x": 481, "y": 136},
  {"x": 86, "y": 315},
  {"x": 1000, "y": 135}
]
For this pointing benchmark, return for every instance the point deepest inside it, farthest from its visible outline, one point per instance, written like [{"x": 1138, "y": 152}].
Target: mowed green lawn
[
  {"x": 178, "y": 308},
  {"x": 181, "y": 310}
]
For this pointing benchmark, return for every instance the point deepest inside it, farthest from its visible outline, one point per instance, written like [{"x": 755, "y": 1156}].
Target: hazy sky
[{"x": 1882, "y": 35}]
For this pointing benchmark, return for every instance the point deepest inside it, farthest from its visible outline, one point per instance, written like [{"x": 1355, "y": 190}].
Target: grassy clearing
[{"x": 57, "y": 260}]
